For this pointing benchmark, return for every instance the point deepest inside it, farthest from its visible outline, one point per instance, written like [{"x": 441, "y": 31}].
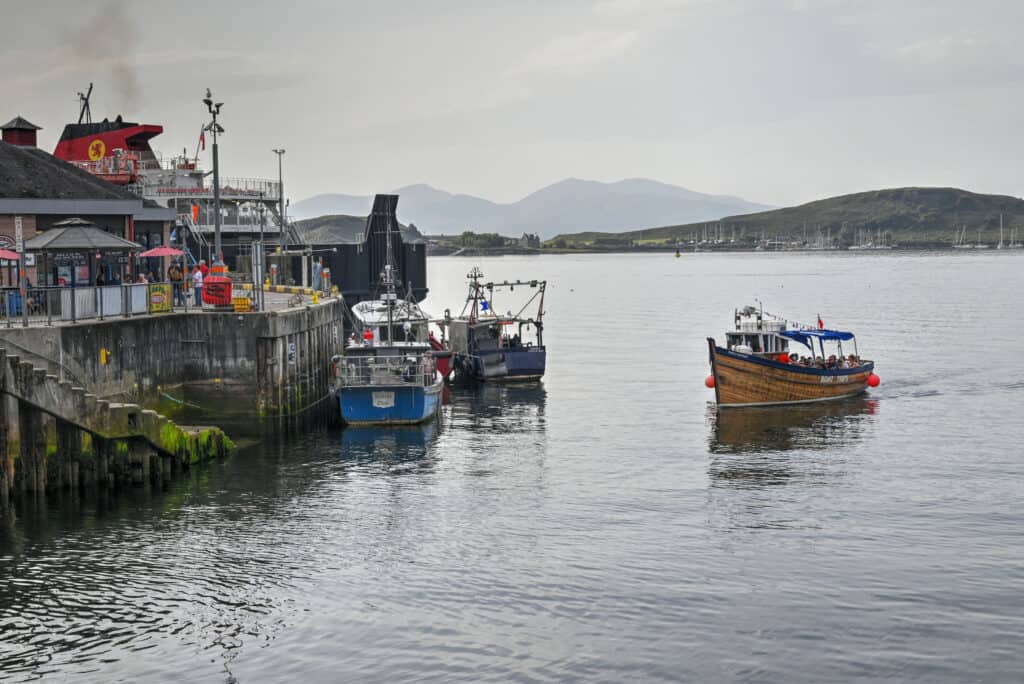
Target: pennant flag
[
  {"x": 202, "y": 138},
  {"x": 821, "y": 324}
]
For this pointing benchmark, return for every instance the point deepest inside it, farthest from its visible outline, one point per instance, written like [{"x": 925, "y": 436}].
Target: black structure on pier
[{"x": 357, "y": 254}]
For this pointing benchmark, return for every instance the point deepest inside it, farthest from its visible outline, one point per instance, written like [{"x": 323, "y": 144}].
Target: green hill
[{"x": 904, "y": 216}]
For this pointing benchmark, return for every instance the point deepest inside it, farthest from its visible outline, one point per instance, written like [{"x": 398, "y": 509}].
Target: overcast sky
[{"x": 777, "y": 101}]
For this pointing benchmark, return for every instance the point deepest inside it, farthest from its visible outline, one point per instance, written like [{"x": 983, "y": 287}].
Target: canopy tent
[
  {"x": 9, "y": 255},
  {"x": 76, "y": 234},
  {"x": 67, "y": 250},
  {"x": 807, "y": 337}
]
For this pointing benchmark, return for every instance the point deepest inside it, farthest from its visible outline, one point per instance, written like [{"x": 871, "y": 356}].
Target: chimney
[{"x": 19, "y": 131}]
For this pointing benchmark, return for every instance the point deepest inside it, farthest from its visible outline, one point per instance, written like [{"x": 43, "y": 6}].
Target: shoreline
[{"x": 524, "y": 251}]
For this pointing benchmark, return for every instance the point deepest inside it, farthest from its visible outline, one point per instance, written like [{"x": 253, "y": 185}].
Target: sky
[{"x": 775, "y": 101}]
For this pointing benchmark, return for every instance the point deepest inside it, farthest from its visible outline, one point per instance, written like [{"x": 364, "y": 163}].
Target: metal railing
[
  {"x": 369, "y": 371},
  {"x": 55, "y": 305},
  {"x": 252, "y": 188}
]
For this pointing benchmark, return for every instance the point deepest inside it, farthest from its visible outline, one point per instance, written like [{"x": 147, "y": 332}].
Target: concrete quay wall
[{"x": 263, "y": 365}]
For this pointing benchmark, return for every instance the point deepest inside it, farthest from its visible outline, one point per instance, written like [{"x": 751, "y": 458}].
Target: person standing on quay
[
  {"x": 197, "y": 282},
  {"x": 203, "y": 267},
  {"x": 175, "y": 277}
]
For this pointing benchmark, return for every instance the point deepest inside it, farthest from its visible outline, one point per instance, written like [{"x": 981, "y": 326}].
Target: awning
[
  {"x": 806, "y": 337},
  {"x": 78, "y": 235}
]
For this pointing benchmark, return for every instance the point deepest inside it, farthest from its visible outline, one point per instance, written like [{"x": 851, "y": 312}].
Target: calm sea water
[{"x": 603, "y": 526}]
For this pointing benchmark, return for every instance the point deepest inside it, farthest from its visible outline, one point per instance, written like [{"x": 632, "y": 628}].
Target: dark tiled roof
[
  {"x": 31, "y": 173},
  {"x": 78, "y": 234},
  {"x": 20, "y": 123}
]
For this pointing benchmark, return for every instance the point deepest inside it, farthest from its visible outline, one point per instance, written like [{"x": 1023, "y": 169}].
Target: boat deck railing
[{"x": 368, "y": 371}]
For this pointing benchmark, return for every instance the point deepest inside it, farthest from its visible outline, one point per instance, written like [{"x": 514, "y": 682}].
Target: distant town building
[{"x": 530, "y": 240}]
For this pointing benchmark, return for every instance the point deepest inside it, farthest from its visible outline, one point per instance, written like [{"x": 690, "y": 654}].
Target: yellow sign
[
  {"x": 97, "y": 148},
  {"x": 159, "y": 297}
]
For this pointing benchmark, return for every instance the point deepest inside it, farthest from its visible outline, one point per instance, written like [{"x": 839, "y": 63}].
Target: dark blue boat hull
[
  {"x": 389, "y": 404},
  {"x": 507, "y": 364}
]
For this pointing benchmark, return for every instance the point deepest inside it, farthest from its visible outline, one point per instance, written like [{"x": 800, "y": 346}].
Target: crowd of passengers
[{"x": 850, "y": 361}]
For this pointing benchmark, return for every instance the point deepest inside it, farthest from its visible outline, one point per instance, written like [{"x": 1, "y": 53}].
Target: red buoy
[
  {"x": 873, "y": 380},
  {"x": 709, "y": 381}
]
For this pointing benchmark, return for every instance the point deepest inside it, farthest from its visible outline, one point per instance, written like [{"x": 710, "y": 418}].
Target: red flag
[
  {"x": 821, "y": 324},
  {"x": 202, "y": 138}
]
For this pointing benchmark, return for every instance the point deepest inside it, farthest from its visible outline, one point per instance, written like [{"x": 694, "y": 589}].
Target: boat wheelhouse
[
  {"x": 388, "y": 374},
  {"x": 489, "y": 346},
  {"x": 759, "y": 367}
]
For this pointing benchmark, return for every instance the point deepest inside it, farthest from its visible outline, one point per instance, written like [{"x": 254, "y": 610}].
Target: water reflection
[
  {"x": 499, "y": 407},
  {"x": 400, "y": 448},
  {"x": 755, "y": 450},
  {"x": 784, "y": 428}
]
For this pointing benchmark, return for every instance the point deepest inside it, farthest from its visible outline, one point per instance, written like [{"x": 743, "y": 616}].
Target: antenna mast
[{"x": 83, "y": 100}]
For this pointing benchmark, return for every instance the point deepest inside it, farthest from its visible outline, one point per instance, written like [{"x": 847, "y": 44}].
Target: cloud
[
  {"x": 621, "y": 8},
  {"x": 577, "y": 52}
]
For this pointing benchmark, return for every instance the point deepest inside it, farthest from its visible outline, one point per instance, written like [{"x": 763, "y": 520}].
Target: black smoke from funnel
[{"x": 108, "y": 41}]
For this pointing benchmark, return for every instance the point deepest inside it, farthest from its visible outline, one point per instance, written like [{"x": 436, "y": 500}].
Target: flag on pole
[
  {"x": 202, "y": 138},
  {"x": 821, "y": 324}
]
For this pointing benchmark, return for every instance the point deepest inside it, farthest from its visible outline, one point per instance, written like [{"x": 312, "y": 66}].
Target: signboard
[
  {"x": 383, "y": 399},
  {"x": 291, "y": 353},
  {"x": 19, "y": 235},
  {"x": 159, "y": 297}
]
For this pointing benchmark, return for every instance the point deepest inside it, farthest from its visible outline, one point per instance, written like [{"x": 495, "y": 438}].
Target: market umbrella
[
  {"x": 9, "y": 255},
  {"x": 162, "y": 252}
]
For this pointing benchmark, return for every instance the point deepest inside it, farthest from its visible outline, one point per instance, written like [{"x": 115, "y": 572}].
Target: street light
[
  {"x": 280, "y": 186},
  {"x": 215, "y": 128},
  {"x": 258, "y": 284}
]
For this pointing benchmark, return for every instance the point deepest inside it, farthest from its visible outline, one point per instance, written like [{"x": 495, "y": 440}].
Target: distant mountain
[
  {"x": 570, "y": 205},
  {"x": 906, "y": 216}
]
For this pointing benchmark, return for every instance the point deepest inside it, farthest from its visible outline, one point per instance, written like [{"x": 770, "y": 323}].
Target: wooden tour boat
[{"x": 757, "y": 368}]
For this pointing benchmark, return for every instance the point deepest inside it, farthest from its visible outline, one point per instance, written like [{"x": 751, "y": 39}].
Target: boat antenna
[
  {"x": 389, "y": 280},
  {"x": 83, "y": 106},
  {"x": 474, "y": 275}
]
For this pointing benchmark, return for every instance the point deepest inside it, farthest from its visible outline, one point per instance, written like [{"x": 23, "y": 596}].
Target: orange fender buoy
[
  {"x": 874, "y": 380},
  {"x": 709, "y": 381}
]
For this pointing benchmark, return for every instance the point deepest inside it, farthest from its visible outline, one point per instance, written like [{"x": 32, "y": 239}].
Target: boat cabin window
[{"x": 756, "y": 344}]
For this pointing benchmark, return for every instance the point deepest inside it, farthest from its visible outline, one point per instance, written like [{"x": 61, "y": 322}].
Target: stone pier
[{"x": 59, "y": 437}]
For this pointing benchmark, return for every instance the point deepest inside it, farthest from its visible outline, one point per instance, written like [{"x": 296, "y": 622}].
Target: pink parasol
[
  {"x": 9, "y": 255},
  {"x": 162, "y": 252}
]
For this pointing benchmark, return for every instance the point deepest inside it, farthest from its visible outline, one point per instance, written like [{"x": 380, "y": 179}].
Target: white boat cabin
[
  {"x": 389, "y": 320},
  {"x": 756, "y": 333}
]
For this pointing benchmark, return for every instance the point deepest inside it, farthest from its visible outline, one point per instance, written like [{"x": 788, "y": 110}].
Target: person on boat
[
  {"x": 831, "y": 363},
  {"x": 851, "y": 362}
]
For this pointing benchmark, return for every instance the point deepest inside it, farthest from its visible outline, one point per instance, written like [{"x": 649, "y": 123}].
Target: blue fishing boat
[
  {"x": 388, "y": 374},
  {"x": 490, "y": 346}
]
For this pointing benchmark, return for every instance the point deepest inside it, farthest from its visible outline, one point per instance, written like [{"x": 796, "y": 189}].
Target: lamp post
[
  {"x": 215, "y": 128},
  {"x": 258, "y": 284},
  {"x": 280, "y": 185}
]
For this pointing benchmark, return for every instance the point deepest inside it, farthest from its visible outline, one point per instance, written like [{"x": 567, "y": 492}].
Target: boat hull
[
  {"x": 389, "y": 404},
  {"x": 744, "y": 380},
  {"x": 505, "y": 365}
]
